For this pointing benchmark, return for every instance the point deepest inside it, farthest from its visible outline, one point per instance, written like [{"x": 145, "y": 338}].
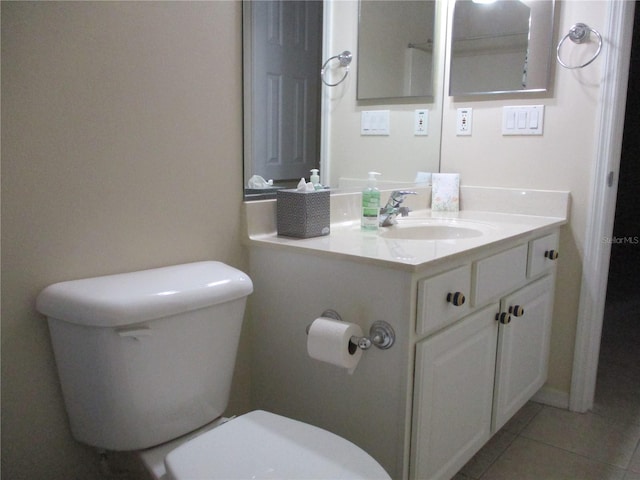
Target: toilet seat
[{"x": 262, "y": 445}]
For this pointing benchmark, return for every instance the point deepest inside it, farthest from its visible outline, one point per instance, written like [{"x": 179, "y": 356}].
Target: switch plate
[
  {"x": 523, "y": 120},
  {"x": 463, "y": 121},
  {"x": 421, "y": 122},
  {"x": 374, "y": 122}
]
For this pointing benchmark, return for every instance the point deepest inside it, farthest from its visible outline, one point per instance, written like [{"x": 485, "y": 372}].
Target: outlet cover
[
  {"x": 463, "y": 121},
  {"x": 421, "y": 122}
]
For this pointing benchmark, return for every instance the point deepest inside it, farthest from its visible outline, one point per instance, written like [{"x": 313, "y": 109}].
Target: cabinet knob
[
  {"x": 456, "y": 298},
  {"x": 503, "y": 317},
  {"x": 551, "y": 254},
  {"x": 516, "y": 310}
]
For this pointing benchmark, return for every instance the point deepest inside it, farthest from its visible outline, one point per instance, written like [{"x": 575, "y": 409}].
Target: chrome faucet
[{"x": 390, "y": 211}]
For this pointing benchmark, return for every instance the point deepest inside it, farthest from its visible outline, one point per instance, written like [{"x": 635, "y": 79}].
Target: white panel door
[{"x": 286, "y": 50}]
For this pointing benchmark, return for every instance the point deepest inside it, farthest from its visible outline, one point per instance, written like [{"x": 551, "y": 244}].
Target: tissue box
[{"x": 303, "y": 214}]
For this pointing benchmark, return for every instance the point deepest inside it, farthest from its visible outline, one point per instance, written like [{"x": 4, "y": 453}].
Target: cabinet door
[
  {"x": 453, "y": 395},
  {"x": 523, "y": 348}
]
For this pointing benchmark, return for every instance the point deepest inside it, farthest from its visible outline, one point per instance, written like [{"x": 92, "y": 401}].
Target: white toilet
[{"x": 147, "y": 357}]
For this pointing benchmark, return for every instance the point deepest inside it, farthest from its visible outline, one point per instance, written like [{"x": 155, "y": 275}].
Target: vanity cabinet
[
  {"x": 455, "y": 373},
  {"x": 474, "y": 374}
]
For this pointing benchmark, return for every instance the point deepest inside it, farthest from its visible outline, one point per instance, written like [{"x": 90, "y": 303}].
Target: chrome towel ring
[
  {"x": 344, "y": 60},
  {"x": 579, "y": 33}
]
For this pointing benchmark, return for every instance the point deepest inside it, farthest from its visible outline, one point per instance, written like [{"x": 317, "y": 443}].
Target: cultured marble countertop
[
  {"x": 348, "y": 240},
  {"x": 389, "y": 246}
]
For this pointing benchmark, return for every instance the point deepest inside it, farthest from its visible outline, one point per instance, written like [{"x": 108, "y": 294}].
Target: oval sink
[{"x": 430, "y": 232}]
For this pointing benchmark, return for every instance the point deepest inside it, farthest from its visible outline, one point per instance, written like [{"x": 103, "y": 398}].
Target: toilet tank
[{"x": 147, "y": 356}]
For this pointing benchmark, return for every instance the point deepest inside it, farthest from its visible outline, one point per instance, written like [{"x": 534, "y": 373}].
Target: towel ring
[
  {"x": 344, "y": 59},
  {"x": 579, "y": 33}
]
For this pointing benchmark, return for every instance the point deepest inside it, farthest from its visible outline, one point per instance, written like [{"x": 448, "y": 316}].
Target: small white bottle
[
  {"x": 370, "y": 219},
  {"x": 315, "y": 179}
]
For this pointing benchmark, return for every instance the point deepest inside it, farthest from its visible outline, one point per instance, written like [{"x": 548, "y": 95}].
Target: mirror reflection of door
[{"x": 286, "y": 54}]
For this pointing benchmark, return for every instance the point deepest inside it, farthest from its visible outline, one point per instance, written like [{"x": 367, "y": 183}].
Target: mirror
[
  {"x": 401, "y": 154},
  {"x": 345, "y": 153},
  {"x": 395, "y": 49},
  {"x": 282, "y": 50},
  {"x": 501, "y": 46}
]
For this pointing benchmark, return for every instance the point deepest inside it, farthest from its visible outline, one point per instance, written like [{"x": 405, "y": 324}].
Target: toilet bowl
[{"x": 145, "y": 358}]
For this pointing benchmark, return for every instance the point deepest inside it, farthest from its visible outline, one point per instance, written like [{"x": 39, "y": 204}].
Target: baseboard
[{"x": 552, "y": 397}]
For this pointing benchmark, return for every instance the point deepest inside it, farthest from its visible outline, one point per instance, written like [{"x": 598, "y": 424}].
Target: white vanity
[{"x": 469, "y": 295}]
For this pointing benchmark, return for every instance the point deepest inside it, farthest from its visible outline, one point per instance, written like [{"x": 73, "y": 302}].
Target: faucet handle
[
  {"x": 403, "y": 193},
  {"x": 397, "y": 197}
]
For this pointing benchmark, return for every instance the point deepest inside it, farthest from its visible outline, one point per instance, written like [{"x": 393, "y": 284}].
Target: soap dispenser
[
  {"x": 315, "y": 179},
  {"x": 370, "y": 219}
]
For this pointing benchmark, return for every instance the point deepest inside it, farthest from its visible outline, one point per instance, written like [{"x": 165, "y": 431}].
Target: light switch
[
  {"x": 522, "y": 120},
  {"x": 374, "y": 122}
]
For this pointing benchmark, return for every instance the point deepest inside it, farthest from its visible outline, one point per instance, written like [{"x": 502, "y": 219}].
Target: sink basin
[{"x": 430, "y": 232}]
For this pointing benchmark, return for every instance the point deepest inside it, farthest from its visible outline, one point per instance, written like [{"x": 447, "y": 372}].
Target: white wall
[{"x": 122, "y": 150}]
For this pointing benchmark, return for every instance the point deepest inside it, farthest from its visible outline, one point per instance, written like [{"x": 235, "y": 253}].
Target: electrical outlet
[
  {"x": 421, "y": 122},
  {"x": 463, "y": 121}
]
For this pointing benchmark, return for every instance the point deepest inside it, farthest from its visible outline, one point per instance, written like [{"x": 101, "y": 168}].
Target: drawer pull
[
  {"x": 516, "y": 310},
  {"x": 551, "y": 254},
  {"x": 456, "y": 298},
  {"x": 503, "y": 317}
]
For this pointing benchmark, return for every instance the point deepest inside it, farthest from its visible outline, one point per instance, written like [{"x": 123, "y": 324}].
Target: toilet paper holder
[{"x": 381, "y": 334}]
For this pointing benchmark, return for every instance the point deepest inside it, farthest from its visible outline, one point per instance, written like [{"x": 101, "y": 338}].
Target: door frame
[{"x": 600, "y": 220}]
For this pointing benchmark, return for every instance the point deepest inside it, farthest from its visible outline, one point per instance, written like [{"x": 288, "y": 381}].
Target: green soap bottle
[{"x": 370, "y": 219}]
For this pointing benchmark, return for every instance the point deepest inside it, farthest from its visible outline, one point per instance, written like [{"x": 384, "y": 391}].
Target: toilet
[{"x": 145, "y": 361}]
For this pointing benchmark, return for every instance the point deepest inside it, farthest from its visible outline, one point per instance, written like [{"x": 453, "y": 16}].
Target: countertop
[{"x": 486, "y": 228}]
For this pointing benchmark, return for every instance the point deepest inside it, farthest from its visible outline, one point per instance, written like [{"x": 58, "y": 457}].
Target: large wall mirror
[
  {"x": 395, "y": 49},
  {"x": 501, "y": 46},
  {"x": 289, "y": 114}
]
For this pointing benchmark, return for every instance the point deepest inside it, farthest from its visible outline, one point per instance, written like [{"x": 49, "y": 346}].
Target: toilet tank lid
[{"x": 128, "y": 298}]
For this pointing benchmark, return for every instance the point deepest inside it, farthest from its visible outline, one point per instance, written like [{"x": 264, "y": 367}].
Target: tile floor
[{"x": 546, "y": 443}]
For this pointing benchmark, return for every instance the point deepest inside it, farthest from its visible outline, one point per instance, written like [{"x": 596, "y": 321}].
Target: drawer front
[
  {"x": 499, "y": 274},
  {"x": 439, "y": 299},
  {"x": 543, "y": 254}
]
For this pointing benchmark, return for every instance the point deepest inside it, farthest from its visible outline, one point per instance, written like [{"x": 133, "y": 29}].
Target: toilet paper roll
[{"x": 328, "y": 341}]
